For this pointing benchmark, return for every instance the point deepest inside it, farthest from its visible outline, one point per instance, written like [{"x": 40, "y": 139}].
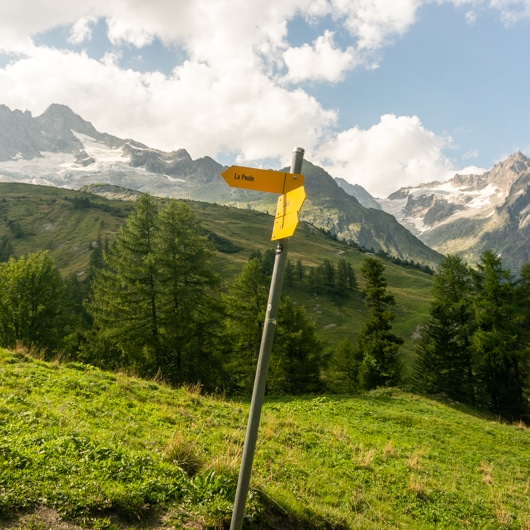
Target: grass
[{"x": 102, "y": 450}]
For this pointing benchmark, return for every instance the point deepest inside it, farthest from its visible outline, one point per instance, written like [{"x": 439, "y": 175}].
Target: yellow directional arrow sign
[
  {"x": 261, "y": 179},
  {"x": 286, "y": 218}
]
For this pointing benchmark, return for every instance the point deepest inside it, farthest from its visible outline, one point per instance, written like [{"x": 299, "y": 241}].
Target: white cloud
[
  {"x": 227, "y": 97},
  {"x": 82, "y": 30},
  {"x": 471, "y": 154},
  {"x": 197, "y": 108},
  {"x": 120, "y": 32},
  {"x": 395, "y": 152},
  {"x": 471, "y": 170},
  {"x": 321, "y": 62},
  {"x": 512, "y": 11},
  {"x": 374, "y": 21}
]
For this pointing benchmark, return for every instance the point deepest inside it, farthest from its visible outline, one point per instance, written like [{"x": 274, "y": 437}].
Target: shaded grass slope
[{"x": 84, "y": 448}]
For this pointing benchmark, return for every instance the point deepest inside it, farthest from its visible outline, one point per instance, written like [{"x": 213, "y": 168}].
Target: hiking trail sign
[
  {"x": 292, "y": 196},
  {"x": 256, "y": 179},
  {"x": 290, "y": 186}
]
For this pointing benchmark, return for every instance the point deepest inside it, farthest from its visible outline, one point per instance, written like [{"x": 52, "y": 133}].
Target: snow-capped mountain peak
[{"x": 466, "y": 214}]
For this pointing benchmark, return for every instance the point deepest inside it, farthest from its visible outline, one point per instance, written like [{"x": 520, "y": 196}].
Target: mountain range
[
  {"x": 61, "y": 149},
  {"x": 469, "y": 214},
  {"x": 465, "y": 215}
]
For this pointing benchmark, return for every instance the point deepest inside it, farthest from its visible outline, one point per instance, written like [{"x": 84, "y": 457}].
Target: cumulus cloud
[
  {"x": 81, "y": 30},
  {"x": 374, "y": 21},
  {"x": 229, "y": 96},
  {"x": 196, "y": 108},
  {"x": 322, "y": 61},
  {"x": 395, "y": 152}
]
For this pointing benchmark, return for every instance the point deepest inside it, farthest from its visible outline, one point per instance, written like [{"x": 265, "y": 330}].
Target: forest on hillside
[{"x": 153, "y": 304}]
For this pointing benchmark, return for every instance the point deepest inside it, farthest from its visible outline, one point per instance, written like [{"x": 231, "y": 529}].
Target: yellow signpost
[
  {"x": 292, "y": 196},
  {"x": 286, "y": 218},
  {"x": 289, "y": 185},
  {"x": 261, "y": 179}
]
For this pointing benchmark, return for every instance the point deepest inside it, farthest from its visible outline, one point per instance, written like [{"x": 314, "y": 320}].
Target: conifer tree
[
  {"x": 378, "y": 345},
  {"x": 347, "y": 361},
  {"x": 188, "y": 310},
  {"x": 495, "y": 342},
  {"x": 346, "y": 282},
  {"x": 444, "y": 356},
  {"x": 154, "y": 300},
  {"x": 299, "y": 270},
  {"x": 289, "y": 273},
  {"x": 124, "y": 302},
  {"x": 245, "y": 303},
  {"x": 328, "y": 273},
  {"x": 297, "y": 353}
]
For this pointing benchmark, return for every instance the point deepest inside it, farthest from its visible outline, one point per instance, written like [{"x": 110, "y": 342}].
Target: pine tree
[
  {"x": 123, "y": 304},
  {"x": 289, "y": 273},
  {"x": 378, "y": 345},
  {"x": 299, "y": 270},
  {"x": 346, "y": 282},
  {"x": 495, "y": 342},
  {"x": 347, "y": 362},
  {"x": 245, "y": 303},
  {"x": 444, "y": 356},
  {"x": 188, "y": 311},
  {"x": 328, "y": 275},
  {"x": 153, "y": 301},
  {"x": 297, "y": 353}
]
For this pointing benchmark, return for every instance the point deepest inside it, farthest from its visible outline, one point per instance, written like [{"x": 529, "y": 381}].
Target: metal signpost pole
[{"x": 262, "y": 368}]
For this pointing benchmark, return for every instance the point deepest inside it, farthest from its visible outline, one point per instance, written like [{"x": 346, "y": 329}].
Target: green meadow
[{"x": 83, "y": 448}]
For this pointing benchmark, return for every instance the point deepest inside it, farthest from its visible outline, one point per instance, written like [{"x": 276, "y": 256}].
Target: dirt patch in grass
[{"x": 43, "y": 518}]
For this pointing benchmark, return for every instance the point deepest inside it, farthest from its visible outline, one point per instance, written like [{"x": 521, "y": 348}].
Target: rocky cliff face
[
  {"x": 359, "y": 193},
  {"x": 472, "y": 213},
  {"x": 24, "y": 137}
]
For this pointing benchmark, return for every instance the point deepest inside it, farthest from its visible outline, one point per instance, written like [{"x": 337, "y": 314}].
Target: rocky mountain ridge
[
  {"x": 61, "y": 149},
  {"x": 469, "y": 214}
]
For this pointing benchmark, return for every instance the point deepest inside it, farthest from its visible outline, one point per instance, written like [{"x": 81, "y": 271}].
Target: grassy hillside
[
  {"x": 82, "y": 448},
  {"x": 65, "y": 222},
  {"x": 68, "y": 222}
]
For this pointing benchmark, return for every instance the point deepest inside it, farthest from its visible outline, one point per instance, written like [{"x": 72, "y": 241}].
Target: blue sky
[{"x": 383, "y": 93}]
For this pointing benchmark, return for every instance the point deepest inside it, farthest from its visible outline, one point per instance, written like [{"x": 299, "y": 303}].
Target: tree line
[
  {"x": 475, "y": 346},
  {"x": 154, "y": 304}
]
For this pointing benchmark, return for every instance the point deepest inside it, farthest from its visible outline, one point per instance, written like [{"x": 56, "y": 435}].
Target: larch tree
[
  {"x": 245, "y": 303},
  {"x": 188, "y": 309},
  {"x": 31, "y": 302},
  {"x": 154, "y": 301},
  {"x": 124, "y": 301},
  {"x": 495, "y": 342},
  {"x": 297, "y": 353}
]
